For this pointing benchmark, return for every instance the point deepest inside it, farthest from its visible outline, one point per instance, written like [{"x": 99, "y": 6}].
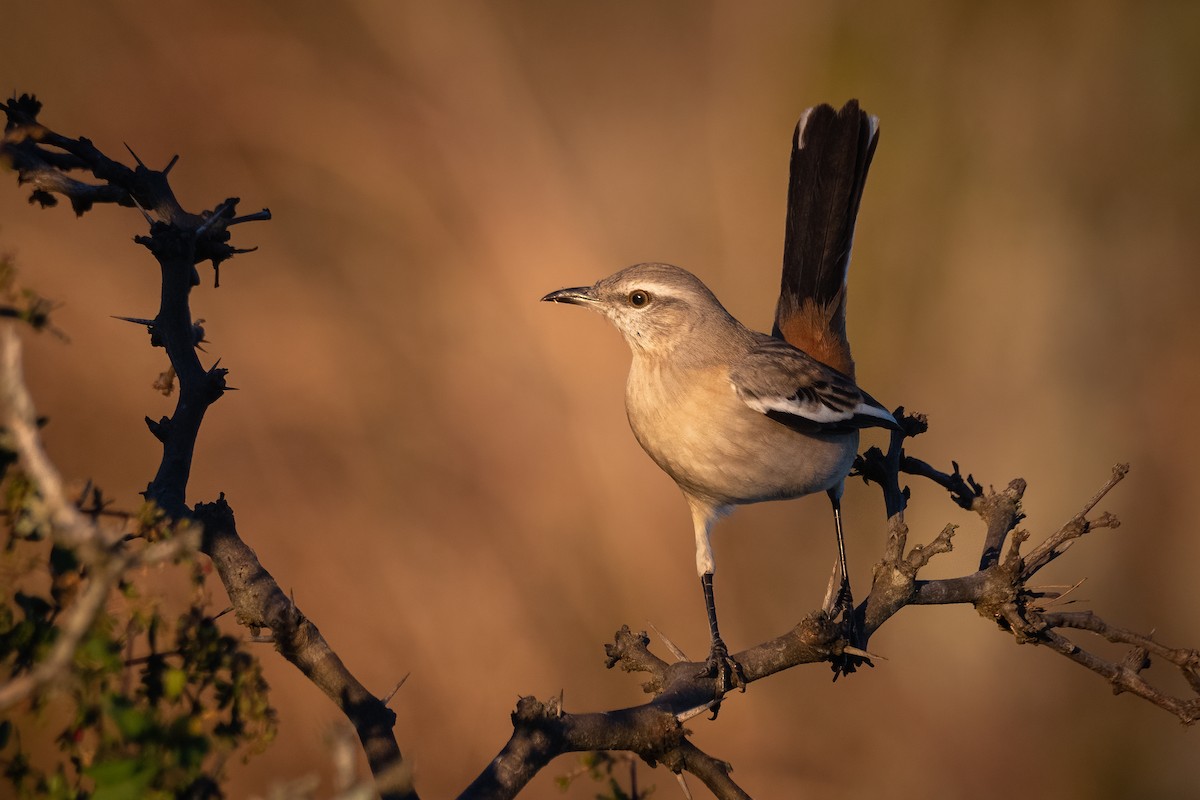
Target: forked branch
[
  {"x": 179, "y": 240},
  {"x": 999, "y": 591}
]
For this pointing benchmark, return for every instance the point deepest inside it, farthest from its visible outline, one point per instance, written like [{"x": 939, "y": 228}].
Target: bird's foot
[
  {"x": 845, "y": 663},
  {"x": 844, "y": 602},
  {"x": 727, "y": 672}
]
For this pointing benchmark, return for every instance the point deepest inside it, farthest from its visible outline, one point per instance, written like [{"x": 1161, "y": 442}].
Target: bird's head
[{"x": 656, "y": 307}]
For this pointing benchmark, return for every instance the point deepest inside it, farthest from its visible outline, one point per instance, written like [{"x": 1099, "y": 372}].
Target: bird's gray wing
[{"x": 790, "y": 386}]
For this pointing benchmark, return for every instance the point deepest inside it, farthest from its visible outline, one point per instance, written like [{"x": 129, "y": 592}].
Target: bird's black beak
[{"x": 579, "y": 296}]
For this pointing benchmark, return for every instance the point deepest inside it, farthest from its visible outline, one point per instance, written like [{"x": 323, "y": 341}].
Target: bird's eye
[{"x": 639, "y": 298}]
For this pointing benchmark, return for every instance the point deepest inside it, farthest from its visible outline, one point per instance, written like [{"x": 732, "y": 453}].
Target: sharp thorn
[
  {"x": 675, "y": 650},
  {"x": 683, "y": 787},
  {"x": 149, "y": 323},
  {"x": 135, "y": 155},
  {"x": 265, "y": 214},
  {"x": 145, "y": 213},
  {"x": 855, "y": 651},
  {"x": 392, "y": 693},
  {"x": 684, "y": 716},
  {"x": 830, "y": 589}
]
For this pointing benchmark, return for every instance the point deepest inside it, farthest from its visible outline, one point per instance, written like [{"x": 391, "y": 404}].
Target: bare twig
[
  {"x": 713, "y": 772},
  {"x": 1079, "y": 525},
  {"x": 109, "y": 561},
  {"x": 259, "y": 602},
  {"x": 997, "y": 591},
  {"x": 69, "y": 527},
  {"x": 179, "y": 240}
]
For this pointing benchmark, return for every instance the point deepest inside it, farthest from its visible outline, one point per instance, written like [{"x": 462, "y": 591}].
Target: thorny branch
[
  {"x": 179, "y": 240},
  {"x": 999, "y": 591}
]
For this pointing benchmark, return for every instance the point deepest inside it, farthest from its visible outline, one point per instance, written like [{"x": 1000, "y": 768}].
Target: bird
[{"x": 736, "y": 416}]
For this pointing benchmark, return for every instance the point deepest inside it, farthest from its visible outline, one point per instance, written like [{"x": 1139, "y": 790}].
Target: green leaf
[
  {"x": 131, "y": 722},
  {"x": 99, "y": 652},
  {"x": 174, "y": 682},
  {"x": 122, "y": 779}
]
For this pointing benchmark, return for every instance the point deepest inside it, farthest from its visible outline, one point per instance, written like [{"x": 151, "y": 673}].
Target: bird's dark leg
[
  {"x": 844, "y": 664},
  {"x": 845, "y": 598},
  {"x": 720, "y": 664}
]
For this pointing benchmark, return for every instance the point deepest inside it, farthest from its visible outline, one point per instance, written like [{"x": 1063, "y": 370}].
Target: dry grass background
[{"x": 440, "y": 468}]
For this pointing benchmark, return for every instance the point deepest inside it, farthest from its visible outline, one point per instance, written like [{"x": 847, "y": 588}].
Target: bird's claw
[
  {"x": 727, "y": 672},
  {"x": 852, "y": 633},
  {"x": 844, "y": 602}
]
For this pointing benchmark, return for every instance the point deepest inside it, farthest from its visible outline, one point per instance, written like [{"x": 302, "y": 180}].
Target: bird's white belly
[{"x": 718, "y": 448}]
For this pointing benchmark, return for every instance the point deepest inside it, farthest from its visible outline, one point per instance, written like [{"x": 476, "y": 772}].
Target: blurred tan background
[{"x": 439, "y": 467}]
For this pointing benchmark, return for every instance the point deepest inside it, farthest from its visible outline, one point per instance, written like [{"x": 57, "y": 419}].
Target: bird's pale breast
[{"x": 694, "y": 426}]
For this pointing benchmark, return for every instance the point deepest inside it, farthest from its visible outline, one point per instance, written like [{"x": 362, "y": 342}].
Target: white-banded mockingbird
[{"x": 735, "y": 416}]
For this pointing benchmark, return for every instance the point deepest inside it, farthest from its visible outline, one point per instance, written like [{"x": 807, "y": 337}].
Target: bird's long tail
[{"x": 831, "y": 153}]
